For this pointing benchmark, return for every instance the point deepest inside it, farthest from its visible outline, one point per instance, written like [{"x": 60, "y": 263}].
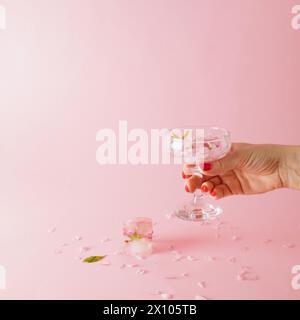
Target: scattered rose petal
[
  {"x": 78, "y": 258},
  {"x": 247, "y": 275},
  {"x": 84, "y": 249},
  {"x": 105, "y": 240},
  {"x": 166, "y": 296},
  {"x": 52, "y": 230},
  {"x": 169, "y": 216},
  {"x": 131, "y": 265},
  {"x": 184, "y": 275},
  {"x": 209, "y": 258},
  {"x": 177, "y": 258},
  {"x": 266, "y": 241},
  {"x": 232, "y": 259},
  {"x": 289, "y": 245},
  {"x": 191, "y": 258},
  {"x": 201, "y": 284},
  {"x": 141, "y": 271},
  {"x": 199, "y": 297},
  {"x": 65, "y": 244}
]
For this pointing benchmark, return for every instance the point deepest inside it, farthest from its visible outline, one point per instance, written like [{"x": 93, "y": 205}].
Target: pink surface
[{"x": 69, "y": 68}]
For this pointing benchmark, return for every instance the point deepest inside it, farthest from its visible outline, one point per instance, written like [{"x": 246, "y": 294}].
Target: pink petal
[
  {"x": 201, "y": 284},
  {"x": 131, "y": 265},
  {"x": 77, "y": 238},
  {"x": 141, "y": 271},
  {"x": 84, "y": 249},
  {"x": 236, "y": 238},
  {"x": 65, "y": 244},
  {"x": 232, "y": 259},
  {"x": 191, "y": 258},
  {"x": 169, "y": 216},
  {"x": 246, "y": 275},
  {"x": 52, "y": 230},
  {"x": 177, "y": 259},
  {"x": 266, "y": 241},
  {"x": 105, "y": 240},
  {"x": 184, "y": 275},
  {"x": 166, "y": 296},
  {"x": 289, "y": 245},
  {"x": 199, "y": 297},
  {"x": 209, "y": 258}
]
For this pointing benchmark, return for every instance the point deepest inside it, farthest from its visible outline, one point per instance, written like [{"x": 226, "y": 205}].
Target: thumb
[{"x": 221, "y": 166}]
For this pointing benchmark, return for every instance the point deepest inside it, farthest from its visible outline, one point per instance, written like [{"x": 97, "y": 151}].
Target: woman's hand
[{"x": 248, "y": 169}]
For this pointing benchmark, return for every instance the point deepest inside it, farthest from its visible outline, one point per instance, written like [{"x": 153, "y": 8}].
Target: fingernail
[
  {"x": 187, "y": 188},
  {"x": 213, "y": 193},
  {"x": 183, "y": 175},
  {"x": 206, "y": 166},
  {"x": 204, "y": 188}
]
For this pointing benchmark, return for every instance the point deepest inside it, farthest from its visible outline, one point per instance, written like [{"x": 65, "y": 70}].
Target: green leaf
[{"x": 93, "y": 259}]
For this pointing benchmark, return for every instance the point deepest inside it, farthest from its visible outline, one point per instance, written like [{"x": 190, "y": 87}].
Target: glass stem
[{"x": 197, "y": 195}]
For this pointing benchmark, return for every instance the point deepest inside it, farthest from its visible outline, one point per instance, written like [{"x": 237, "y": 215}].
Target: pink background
[{"x": 69, "y": 68}]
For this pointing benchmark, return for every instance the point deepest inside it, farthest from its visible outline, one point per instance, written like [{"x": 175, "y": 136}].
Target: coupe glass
[{"x": 196, "y": 145}]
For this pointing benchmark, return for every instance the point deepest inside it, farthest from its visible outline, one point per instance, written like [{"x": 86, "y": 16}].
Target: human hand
[{"x": 248, "y": 169}]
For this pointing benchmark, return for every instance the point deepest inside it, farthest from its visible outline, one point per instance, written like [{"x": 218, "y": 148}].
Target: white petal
[
  {"x": 246, "y": 275},
  {"x": 209, "y": 258},
  {"x": 105, "y": 240},
  {"x": 191, "y": 258},
  {"x": 141, "y": 271},
  {"x": 131, "y": 265},
  {"x": 267, "y": 241},
  {"x": 232, "y": 259},
  {"x": 166, "y": 296},
  {"x": 169, "y": 216},
  {"x": 289, "y": 245},
  {"x": 84, "y": 249},
  {"x": 201, "y": 284},
  {"x": 184, "y": 275}
]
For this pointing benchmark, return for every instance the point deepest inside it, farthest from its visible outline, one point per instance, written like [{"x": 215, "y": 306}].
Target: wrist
[{"x": 289, "y": 168}]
